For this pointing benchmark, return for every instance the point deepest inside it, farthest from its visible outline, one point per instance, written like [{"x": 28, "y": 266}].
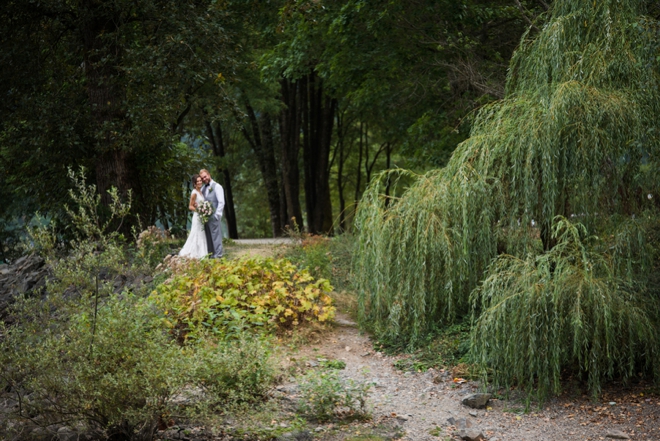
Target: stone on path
[
  {"x": 460, "y": 423},
  {"x": 617, "y": 434},
  {"x": 344, "y": 322},
  {"x": 476, "y": 401},
  {"x": 472, "y": 435}
]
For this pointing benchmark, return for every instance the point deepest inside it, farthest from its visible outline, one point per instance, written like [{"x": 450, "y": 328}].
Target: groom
[{"x": 213, "y": 193}]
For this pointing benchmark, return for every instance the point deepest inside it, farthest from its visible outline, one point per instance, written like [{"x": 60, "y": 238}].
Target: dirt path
[{"x": 420, "y": 403}]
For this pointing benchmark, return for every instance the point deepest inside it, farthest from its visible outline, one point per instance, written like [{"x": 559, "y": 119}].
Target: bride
[{"x": 195, "y": 247}]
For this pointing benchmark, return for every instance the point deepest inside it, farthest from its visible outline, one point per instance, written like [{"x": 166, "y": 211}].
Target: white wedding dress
[{"x": 196, "y": 246}]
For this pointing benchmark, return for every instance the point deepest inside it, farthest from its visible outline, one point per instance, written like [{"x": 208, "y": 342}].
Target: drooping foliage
[
  {"x": 575, "y": 136},
  {"x": 565, "y": 308}
]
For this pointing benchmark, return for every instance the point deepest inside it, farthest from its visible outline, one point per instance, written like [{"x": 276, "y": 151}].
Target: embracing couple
[{"x": 206, "y": 202}]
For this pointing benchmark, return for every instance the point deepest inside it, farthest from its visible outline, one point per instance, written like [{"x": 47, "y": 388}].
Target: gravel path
[
  {"x": 265, "y": 241},
  {"x": 419, "y": 403}
]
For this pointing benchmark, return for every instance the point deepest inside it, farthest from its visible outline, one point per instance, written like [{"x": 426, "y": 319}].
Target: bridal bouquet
[{"x": 205, "y": 211}]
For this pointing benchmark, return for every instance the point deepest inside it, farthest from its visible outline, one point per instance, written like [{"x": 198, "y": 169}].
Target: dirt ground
[{"x": 421, "y": 405}]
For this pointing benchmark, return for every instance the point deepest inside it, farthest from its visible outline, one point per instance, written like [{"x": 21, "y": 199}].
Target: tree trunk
[
  {"x": 263, "y": 145},
  {"x": 358, "y": 180},
  {"x": 290, "y": 122},
  {"x": 115, "y": 165},
  {"x": 219, "y": 150},
  {"x": 340, "y": 170},
  {"x": 317, "y": 132}
]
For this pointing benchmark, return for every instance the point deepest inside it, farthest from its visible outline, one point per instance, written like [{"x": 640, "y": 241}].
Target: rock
[
  {"x": 318, "y": 429},
  {"x": 40, "y": 434},
  {"x": 312, "y": 363},
  {"x": 460, "y": 423},
  {"x": 476, "y": 401},
  {"x": 616, "y": 434},
  {"x": 472, "y": 435},
  {"x": 344, "y": 322},
  {"x": 302, "y": 435},
  {"x": 66, "y": 434},
  {"x": 473, "y": 413},
  {"x": 403, "y": 417}
]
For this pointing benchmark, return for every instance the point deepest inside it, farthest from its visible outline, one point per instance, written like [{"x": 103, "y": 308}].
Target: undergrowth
[
  {"x": 101, "y": 360},
  {"x": 323, "y": 256},
  {"x": 227, "y": 297}
]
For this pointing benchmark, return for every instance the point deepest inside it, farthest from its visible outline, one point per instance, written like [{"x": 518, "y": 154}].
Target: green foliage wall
[{"x": 576, "y": 135}]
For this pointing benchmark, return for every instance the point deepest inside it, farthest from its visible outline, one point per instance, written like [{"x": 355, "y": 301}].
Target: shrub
[
  {"x": 228, "y": 296},
  {"x": 325, "y": 396},
  {"x": 120, "y": 379},
  {"x": 324, "y": 257},
  {"x": 116, "y": 380},
  {"x": 87, "y": 357},
  {"x": 237, "y": 371},
  {"x": 564, "y": 310},
  {"x": 152, "y": 245}
]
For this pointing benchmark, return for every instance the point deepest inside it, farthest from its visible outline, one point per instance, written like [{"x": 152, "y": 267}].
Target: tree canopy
[{"x": 317, "y": 95}]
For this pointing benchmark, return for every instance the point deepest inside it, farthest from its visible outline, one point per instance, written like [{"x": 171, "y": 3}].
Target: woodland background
[{"x": 293, "y": 105}]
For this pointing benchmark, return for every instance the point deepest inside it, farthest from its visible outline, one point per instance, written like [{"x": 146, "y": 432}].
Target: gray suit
[{"x": 214, "y": 193}]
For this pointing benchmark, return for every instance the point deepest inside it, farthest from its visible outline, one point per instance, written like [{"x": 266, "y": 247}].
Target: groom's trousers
[{"x": 214, "y": 230}]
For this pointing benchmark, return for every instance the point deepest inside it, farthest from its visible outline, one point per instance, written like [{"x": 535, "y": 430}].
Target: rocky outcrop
[{"x": 26, "y": 276}]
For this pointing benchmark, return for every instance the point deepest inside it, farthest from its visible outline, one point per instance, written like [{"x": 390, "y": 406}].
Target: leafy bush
[
  {"x": 323, "y": 257},
  {"x": 228, "y": 296},
  {"x": 116, "y": 380},
  {"x": 120, "y": 376},
  {"x": 237, "y": 371},
  {"x": 152, "y": 245},
  {"x": 564, "y": 310},
  {"x": 312, "y": 252},
  {"x": 89, "y": 358},
  {"x": 326, "y": 396}
]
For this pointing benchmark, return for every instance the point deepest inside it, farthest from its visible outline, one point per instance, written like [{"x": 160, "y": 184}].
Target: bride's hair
[{"x": 194, "y": 180}]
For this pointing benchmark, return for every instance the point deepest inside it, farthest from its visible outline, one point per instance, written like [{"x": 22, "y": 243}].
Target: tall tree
[
  {"x": 576, "y": 137},
  {"x": 106, "y": 85}
]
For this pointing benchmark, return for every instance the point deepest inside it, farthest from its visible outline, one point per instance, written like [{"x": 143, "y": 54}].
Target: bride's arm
[{"x": 192, "y": 206}]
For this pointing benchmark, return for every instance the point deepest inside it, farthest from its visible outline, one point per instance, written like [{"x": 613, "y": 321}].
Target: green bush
[
  {"x": 225, "y": 297},
  {"x": 563, "y": 311},
  {"x": 116, "y": 379},
  {"x": 119, "y": 377},
  {"x": 90, "y": 358},
  {"x": 325, "y": 396},
  {"x": 324, "y": 257},
  {"x": 152, "y": 245},
  {"x": 239, "y": 371}
]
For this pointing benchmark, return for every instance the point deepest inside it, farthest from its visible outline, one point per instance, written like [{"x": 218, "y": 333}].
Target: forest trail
[
  {"x": 416, "y": 406},
  {"x": 413, "y": 405}
]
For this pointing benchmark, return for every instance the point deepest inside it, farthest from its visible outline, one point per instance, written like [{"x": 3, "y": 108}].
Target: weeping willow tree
[{"x": 575, "y": 137}]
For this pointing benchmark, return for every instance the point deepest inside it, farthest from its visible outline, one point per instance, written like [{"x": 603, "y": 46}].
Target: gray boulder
[{"x": 476, "y": 401}]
